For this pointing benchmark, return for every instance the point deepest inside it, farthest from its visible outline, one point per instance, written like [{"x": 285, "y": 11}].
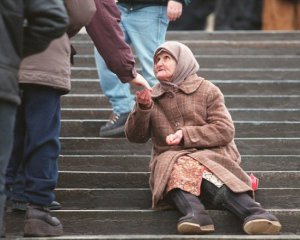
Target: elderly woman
[{"x": 193, "y": 146}]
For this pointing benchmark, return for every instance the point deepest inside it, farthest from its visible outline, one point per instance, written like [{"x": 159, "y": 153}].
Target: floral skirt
[{"x": 187, "y": 174}]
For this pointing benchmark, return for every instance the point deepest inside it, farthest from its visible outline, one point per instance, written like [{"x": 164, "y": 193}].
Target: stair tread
[{"x": 147, "y": 221}]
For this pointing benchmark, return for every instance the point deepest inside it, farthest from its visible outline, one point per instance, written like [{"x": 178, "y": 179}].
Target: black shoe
[
  {"x": 115, "y": 126},
  {"x": 22, "y": 206},
  {"x": 39, "y": 223}
]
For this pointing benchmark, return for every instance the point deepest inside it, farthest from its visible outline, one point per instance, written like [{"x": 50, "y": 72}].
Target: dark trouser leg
[
  {"x": 41, "y": 151},
  {"x": 193, "y": 16},
  {"x": 256, "y": 220},
  {"x": 238, "y": 15},
  {"x": 7, "y": 121},
  {"x": 15, "y": 179},
  {"x": 195, "y": 219},
  {"x": 42, "y": 146}
]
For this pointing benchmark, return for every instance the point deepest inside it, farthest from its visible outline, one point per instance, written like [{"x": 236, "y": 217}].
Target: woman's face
[{"x": 164, "y": 66}]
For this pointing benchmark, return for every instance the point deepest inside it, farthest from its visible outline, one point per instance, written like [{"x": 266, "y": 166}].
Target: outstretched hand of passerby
[
  {"x": 144, "y": 98},
  {"x": 140, "y": 81},
  {"x": 174, "y": 10},
  {"x": 174, "y": 139}
]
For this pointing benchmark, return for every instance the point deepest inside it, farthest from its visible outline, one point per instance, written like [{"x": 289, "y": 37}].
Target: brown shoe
[{"x": 39, "y": 223}]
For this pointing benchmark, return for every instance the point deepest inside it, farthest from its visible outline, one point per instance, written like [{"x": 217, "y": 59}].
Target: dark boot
[
  {"x": 256, "y": 219},
  {"x": 39, "y": 223},
  {"x": 195, "y": 219}
]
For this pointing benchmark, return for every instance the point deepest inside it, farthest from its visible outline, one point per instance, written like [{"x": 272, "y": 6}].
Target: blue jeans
[
  {"x": 144, "y": 28},
  {"x": 7, "y": 121},
  {"x": 33, "y": 169}
]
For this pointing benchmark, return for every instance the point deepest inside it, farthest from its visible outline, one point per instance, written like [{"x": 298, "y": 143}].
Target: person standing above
[
  {"x": 238, "y": 15},
  {"x": 108, "y": 38},
  {"x": 144, "y": 23},
  {"x": 45, "y": 21},
  {"x": 193, "y": 153}
]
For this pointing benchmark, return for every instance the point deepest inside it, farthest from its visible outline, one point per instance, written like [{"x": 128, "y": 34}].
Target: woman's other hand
[{"x": 174, "y": 139}]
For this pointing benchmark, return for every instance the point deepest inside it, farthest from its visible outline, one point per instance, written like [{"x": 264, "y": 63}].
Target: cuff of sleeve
[
  {"x": 129, "y": 77},
  {"x": 185, "y": 142},
  {"x": 180, "y": 1},
  {"x": 144, "y": 109}
]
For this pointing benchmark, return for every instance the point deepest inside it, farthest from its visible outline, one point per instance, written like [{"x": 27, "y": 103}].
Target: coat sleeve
[
  {"x": 80, "y": 14},
  {"x": 219, "y": 128},
  {"x": 46, "y": 20},
  {"x": 108, "y": 38},
  {"x": 137, "y": 127}
]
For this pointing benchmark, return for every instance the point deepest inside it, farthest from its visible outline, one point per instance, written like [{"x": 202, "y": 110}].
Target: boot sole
[
  {"x": 262, "y": 226},
  {"x": 193, "y": 228},
  {"x": 39, "y": 228}
]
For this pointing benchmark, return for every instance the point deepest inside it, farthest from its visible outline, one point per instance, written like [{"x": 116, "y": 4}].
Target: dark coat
[{"x": 46, "y": 20}]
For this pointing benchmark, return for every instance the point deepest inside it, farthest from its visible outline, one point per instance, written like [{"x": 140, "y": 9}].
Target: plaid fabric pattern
[{"x": 198, "y": 108}]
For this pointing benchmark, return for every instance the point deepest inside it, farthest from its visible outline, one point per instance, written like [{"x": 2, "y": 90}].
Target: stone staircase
[{"x": 103, "y": 182}]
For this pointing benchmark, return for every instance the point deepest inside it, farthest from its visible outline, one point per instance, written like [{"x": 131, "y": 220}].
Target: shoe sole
[
  {"x": 39, "y": 228},
  {"x": 117, "y": 132},
  {"x": 262, "y": 226},
  {"x": 58, "y": 207},
  {"x": 193, "y": 228}
]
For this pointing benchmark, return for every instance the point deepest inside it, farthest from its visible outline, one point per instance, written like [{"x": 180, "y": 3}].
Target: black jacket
[{"x": 27, "y": 27}]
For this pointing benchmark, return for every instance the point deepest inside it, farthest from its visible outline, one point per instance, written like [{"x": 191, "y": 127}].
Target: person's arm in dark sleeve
[
  {"x": 46, "y": 20},
  {"x": 108, "y": 38}
]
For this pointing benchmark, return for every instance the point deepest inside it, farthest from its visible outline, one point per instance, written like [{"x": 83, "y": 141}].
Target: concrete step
[
  {"x": 120, "y": 146},
  {"x": 261, "y": 87},
  {"x": 221, "y": 35},
  {"x": 168, "y": 237},
  {"x": 238, "y": 114},
  {"x": 92, "y": 222},
  {"x": 92, "y": 179},
  {"x": 263, "y": 129},
  {"x": 219, "y": 61},
  {"x": 103, "y": 182},
  {"x": 140, "y": 198},
  {"x": 222, "y": 47},
  {"x": 234, "y": 35},
  {"x": 232, "y": 101},
  {"x": 215, "y": 73},
  {"x": 139, "y": 163}
]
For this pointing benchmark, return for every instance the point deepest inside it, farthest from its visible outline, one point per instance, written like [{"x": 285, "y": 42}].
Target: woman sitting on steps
[{"x": 193, "y": 146}]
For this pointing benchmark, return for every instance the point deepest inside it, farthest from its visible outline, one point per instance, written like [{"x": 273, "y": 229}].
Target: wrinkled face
[{"x": 164, "y": 66}]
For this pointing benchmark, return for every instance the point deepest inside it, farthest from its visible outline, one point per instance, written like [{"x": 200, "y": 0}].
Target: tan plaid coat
[{"x": 198, "y": 109}]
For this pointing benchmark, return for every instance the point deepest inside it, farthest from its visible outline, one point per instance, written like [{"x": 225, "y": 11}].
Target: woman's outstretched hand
[
  {"x": 144, "y": 98},
  {"x": 174, "y": 139}
]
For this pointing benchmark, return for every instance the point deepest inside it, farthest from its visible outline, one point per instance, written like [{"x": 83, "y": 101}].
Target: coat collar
[{"x": 188, "y": 86}]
